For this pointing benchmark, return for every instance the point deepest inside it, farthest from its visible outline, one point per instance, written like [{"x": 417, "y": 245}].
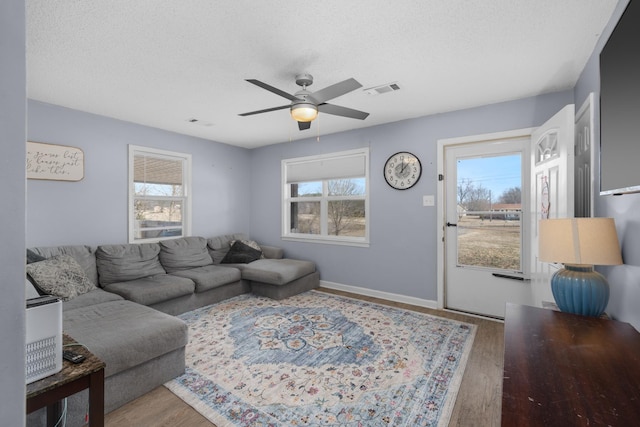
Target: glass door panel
[{"x": 489, "y": 206}]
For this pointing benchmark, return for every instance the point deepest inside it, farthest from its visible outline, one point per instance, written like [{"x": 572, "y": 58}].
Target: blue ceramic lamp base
[{"x": 579, "y": 289}]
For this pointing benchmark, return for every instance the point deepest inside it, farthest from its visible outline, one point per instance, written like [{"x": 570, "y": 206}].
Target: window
[
  {"x": 326, "y": 198},
  {"x": 159, "y": 194}
]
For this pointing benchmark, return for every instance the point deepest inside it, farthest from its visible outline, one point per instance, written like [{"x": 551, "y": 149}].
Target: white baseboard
[{"x": 380, "y": 294}]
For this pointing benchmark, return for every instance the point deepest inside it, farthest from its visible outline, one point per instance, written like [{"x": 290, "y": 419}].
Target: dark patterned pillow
[
  {"x": 249, "y": 243},
  {"x": 241, "y": 253},
  {"x": 61, "y": 276}
]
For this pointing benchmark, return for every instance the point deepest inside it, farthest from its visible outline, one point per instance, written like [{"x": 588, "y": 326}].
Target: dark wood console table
[
  {"x": 71, "y": 379},
  {"x": 566, "y": 370}
]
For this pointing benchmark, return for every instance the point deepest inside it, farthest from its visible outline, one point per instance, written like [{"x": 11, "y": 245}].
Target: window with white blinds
[
  {"x": 159, "y": 194},
  {"x": 326, "y": 198}
]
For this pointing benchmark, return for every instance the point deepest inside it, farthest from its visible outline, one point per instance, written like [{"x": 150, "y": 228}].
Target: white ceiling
[{"x": 162, "y": 62}]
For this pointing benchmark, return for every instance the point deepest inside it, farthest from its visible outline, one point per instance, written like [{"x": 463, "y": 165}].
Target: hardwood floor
[{"x": 478, "y": 403}]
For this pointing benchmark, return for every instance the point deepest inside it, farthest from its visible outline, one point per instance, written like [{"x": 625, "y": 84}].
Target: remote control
[{"x": 72, "y": 357}]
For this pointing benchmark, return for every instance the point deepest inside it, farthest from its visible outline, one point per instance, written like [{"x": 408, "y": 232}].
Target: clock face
[{"x": 402, "y": 170}]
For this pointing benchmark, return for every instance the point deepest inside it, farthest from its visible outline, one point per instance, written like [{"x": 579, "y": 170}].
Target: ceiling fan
[{"x": 305, "y": 105}]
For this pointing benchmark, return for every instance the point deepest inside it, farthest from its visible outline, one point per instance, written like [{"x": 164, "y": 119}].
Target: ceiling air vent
[
  {"x": 379, "y": 90},
  {"x": 199, "y": 122}
]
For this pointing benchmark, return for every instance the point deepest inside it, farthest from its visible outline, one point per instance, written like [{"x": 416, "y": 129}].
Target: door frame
[{"x": 440, "y": 194}]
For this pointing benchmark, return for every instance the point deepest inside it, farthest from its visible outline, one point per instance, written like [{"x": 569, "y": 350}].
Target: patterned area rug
[{"x": 318, "y": 359}]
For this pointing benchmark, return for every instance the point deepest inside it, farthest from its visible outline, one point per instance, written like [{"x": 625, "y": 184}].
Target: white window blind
[
  {"x": 326, "y": 168},
  {"x": 159, "y": 194}
]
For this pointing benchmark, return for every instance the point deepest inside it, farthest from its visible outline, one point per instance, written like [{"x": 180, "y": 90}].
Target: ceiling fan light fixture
[{"x": 304, "y": 112}]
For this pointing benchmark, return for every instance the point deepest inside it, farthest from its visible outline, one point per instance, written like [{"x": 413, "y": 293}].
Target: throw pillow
[
  {"x": 61, "y": 276},
  {"x": 33, "y": 257},
  {"x": 249, "y": 243},
  {"x": 241, "y": 253}
]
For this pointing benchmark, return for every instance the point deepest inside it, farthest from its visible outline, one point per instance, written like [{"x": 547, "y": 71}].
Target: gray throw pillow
[{"x": 61, "y": 276}]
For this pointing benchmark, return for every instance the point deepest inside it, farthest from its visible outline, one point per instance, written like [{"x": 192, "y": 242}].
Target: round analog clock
[{"x": 402, "y": 170}]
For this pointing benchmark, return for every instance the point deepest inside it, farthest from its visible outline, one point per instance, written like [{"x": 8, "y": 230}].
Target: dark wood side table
[
  {"x": 562, "y": 369},
  {"x": 71, "y": 379}
]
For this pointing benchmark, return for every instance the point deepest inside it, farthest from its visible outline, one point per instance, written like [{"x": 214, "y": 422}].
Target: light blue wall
[
  {"x": 402, "y": 256},
  {"x": 12, "y": 215},
  {"x": 624, "y": 302},
  {"x": 94, "y": 211}
]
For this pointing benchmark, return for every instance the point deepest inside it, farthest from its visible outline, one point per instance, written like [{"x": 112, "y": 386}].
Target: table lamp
[{"x": 579, "y": 244}]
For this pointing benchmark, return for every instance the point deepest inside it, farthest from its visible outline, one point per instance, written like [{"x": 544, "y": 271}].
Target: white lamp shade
[
  {"x": 587, "y": 241},
  {"x": 303, "y": 112}
]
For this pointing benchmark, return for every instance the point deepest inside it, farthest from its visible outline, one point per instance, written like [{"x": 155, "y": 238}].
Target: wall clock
[{"x": 402, "y": 170}]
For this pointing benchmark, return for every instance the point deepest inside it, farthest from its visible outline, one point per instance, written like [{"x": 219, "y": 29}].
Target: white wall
[
  {"x": 402, "y": 256},
  {"x": 94, "y": 211},
  {"x": 12, "y": 176}
]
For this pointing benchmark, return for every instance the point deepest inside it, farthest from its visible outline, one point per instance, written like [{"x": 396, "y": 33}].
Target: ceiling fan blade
[
  {"x": 337, "y": 110},
  {"x": 273, "y": 89},
  {"x": 335, "y": 90},
  {"x": 282, "y": 107},
  {"x": 304, "y": 125}
]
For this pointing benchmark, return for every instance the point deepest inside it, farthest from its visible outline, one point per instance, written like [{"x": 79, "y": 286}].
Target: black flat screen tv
[{"x": 620, "y": 106}]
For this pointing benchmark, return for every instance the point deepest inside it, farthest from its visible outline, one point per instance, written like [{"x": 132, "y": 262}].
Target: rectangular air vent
[
  {"x": 385, "y": 88},
  {"x": 199, "y": 122}
]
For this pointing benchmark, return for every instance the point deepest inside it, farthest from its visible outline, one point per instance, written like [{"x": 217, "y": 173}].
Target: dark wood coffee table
[
  {"x": 562, "y": 369},
  {"x": 50, "y": 391}
]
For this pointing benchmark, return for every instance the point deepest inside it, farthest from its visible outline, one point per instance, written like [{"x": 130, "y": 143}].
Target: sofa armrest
[{"x": 272, "y": 252}]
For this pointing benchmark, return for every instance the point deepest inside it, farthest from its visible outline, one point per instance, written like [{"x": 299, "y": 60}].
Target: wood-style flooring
[{"x": 478, "y": 403}]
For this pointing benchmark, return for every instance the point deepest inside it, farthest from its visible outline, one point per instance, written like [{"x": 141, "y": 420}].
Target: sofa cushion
[
  {"x": 95, "y": 296},
  {"x": 60, "y": 275},
  {"x": 84, "y": 255},
  {"x": 184, "y": 253},
  {"x": 219, "y": 245},
  {"x": 152, "y": 289},
  {"x": 210, "y": 276},
  {"x": 119, "y": 263},
  {"x": 273, "y": 252},
  {"x": 241, "y": 253},
  {"x": 277, "y": 271},
  {"x": 124, "y": 334}
]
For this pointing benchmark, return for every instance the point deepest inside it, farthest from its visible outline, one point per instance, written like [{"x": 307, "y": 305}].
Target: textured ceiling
[{"x": 162, "y": 62}]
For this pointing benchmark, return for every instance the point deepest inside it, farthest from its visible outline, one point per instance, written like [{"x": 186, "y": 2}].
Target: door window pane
[{"x": 489, "y": 231}]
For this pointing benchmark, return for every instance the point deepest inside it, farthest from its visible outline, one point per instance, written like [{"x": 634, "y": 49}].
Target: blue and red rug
[{"x": 318, "y": 359}]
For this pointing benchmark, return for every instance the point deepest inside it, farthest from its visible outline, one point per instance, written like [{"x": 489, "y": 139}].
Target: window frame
[
  {"x": 185, "y": 198},
  {"x": 324, "y": 200}
]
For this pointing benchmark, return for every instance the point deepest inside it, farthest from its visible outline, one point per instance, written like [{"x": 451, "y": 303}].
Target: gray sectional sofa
[{"x": 127, "y": 319}]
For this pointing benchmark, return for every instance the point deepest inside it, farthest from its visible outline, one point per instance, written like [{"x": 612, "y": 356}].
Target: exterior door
[
  {"x": 552, "y": 188},
  {"x": 485, "y": 231},
  {"x": 483, "y": 266}
]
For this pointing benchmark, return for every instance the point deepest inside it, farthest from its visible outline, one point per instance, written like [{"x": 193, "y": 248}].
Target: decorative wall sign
[{"x": 54, "y": 162}]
